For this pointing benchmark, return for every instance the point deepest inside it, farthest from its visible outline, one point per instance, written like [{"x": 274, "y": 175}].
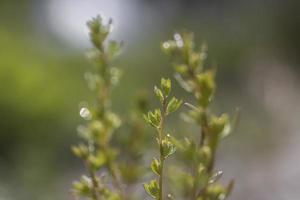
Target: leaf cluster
[
  {"x": 200, "y": 178},
  {"x": 157, "y": 119}
]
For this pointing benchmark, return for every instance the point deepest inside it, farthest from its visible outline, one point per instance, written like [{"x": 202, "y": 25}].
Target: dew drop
[
  {"x": 166, "y": 45},
  {"x": 169, "y": 196},
  {"x": 85, "y": 113},
  {"x": 178, "y": 40},
  {"x": 215, "y": 177},
  {"x": 219, "y": 173},
  {"x": 177, "y": 36}
]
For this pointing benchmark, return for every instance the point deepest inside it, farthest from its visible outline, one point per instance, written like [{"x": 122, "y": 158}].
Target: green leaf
[
  {"x": 204, "y": 155},
  {"x": 190, "y": 150},
  {"x": 202, "y": 177},
  {"x": 81, "y": 151},
  {"x": 216, "y": 192},
  {"x": 83, "y": 187},
  {"x": 206, "y": 82},
  {"x": 168, "y": 148},
  {"x": 182, "y": 69},
  {"x": 176, "y": 142},
  {"x": 110, "y": 195},
  {"x": 169, "y": 47},
  {"x": 98, "y": 31},
  {"x": 155, "y": 166},
  {"x": 97, "y": 161},
  {"x": 159, "y": 94},
  {"x": 113, "y": 49},
  {"x": 153, "y": 118},
  {"x": 220, "y": 125},
  {"x": 195, "y": 60},
  {"x": 230, "y": 127},
  {"x": 152, "y": 189},
  {"x": 113, "y": 120},
  {"x": 165, "y": 85},
  {"x": 96, "y": 129},
  {"x": 173, "y": 105},
  {"x": 115, "y": 75}
]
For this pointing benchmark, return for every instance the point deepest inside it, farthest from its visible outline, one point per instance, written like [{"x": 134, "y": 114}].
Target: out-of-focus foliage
[
  {"x": 96, "y": 151},
  {"x": 198, "y": 155},
  {"x": 199, "y": 181},
  {"x": 103, "y": 150}
]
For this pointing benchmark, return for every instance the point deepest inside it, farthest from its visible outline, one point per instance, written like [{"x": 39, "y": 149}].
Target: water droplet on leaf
[
  {"x": 166, "y": 45},
  {"x": 85, "y": 113}
]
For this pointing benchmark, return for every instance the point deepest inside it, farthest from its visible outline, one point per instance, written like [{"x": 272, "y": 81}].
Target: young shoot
[{"x": 157, "y": 119}]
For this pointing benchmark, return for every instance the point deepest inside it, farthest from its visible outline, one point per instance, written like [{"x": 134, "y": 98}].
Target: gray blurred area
[{"x": 255, "y": 45}]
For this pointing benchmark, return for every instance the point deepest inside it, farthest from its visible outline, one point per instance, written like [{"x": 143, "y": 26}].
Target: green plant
[
  {"x": 192, "y": 173},
  {"x": 157, "y": 119},
  {"x": 200, "y": 180},
  {"x": 96, "y": 152}
]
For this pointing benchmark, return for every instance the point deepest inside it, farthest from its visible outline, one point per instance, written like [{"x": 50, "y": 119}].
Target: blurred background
[{"x": 255, "y": 45}]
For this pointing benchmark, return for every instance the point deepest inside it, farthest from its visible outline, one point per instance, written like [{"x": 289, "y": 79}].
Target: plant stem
[
  {"x": 94, "y": 184},
  {"x": 200, "y": 144},
  {"x": 161, "y": 134},
  {"x": 203, "y": 134},
  {"x": 161, "y": 178}
]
